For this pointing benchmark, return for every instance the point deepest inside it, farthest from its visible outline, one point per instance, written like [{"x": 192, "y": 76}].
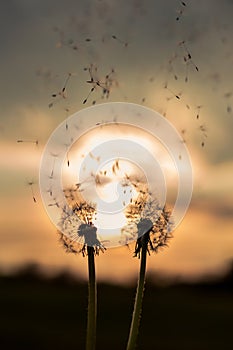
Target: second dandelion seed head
[{"x": 148, "y": 222}]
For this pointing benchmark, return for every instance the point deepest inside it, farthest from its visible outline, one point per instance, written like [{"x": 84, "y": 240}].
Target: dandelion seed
[
  {"x": 36, "y": 142},
  {"x": 188, "y": 63},
  {"x": 54, "y": 155},
  {"x": 67, "y": 145},
  {"x": 183, "y": 132},
  {"x": 177, "y": 96},
  {"x": 198, "y": 111},
  {"x": 171, "y": 67},
  {"x": 66, "y": 82},
  {"x": 181, "y": 11},
  {"x": 227, "y": 96},
  {"x": 187, "y": 59},
  {"x": 31, "y": 183},
  {"x": 61, "y": 94},
  {"x": 203, "y": 130},
  {"x": 55, "y": 203},
  {"x": 120, "y": 41},
  {"x": 90, "y": 92}
]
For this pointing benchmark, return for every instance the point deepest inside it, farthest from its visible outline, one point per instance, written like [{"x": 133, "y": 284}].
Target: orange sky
[{"x": 202, "y": 243}]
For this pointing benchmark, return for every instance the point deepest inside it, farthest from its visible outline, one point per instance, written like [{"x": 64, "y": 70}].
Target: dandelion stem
[
  {"x": 92, "y": 301},
  {"x": 139, "y": 295}
]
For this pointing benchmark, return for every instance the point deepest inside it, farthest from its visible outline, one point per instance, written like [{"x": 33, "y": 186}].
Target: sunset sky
[{"x": 42, "y": 42}]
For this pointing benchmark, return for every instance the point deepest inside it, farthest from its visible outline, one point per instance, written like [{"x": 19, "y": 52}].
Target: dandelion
[
  {"x": 153, "y": 226},
  {"x": 79, "y": 235}
]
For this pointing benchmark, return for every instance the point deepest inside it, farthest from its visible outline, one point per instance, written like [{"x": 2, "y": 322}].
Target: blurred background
[{"x": 174, "y": 57}]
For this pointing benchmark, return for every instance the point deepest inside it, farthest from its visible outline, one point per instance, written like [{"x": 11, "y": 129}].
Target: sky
[{"x": 153, "y": 58}]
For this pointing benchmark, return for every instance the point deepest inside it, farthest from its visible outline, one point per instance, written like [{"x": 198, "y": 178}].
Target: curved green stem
[
  {"x": 92, "y": 301},
  {"x": 139, "y": 298}
]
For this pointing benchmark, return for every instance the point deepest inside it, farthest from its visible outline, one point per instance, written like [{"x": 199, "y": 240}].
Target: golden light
[
  {"x": 104, "y": 181},
  {"x": 105, "y": 166}
]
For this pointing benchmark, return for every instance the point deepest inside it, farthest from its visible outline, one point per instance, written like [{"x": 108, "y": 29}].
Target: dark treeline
[{"x": 46, "y": 313}]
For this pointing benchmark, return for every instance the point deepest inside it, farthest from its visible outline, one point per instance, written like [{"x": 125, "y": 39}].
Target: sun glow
[
  {"x": 114, "y": 196},
  {"x": 106, "y": 179},
  {"x": 111, "y": 173}
]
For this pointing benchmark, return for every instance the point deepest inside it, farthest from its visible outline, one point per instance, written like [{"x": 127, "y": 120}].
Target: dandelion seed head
[
  {"x": 77, "y": 230},
  {"x": 146, "y": 217}
]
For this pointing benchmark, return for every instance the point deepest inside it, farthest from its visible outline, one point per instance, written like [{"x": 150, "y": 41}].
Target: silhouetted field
[{"x": 40, "y": 313}]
